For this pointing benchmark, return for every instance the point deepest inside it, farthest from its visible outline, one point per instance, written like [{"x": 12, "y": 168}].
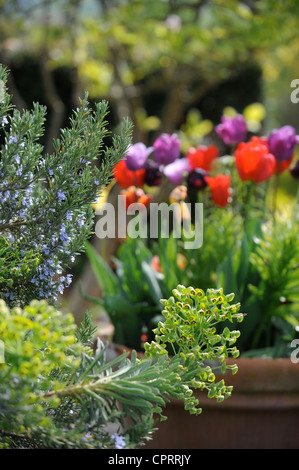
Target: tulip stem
[
  {"x": 266, "y": 192},
  {"x": 275, "y": 191},
  {"x": 250, "y": 191}
]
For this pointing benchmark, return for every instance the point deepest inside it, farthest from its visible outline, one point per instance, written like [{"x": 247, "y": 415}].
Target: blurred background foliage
[
  {"x": 168, "y": 65},
  {"x": 153, "y": 60}
]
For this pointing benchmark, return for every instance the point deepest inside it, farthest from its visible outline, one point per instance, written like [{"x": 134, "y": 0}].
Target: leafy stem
[{"x": 275, "y": 190}]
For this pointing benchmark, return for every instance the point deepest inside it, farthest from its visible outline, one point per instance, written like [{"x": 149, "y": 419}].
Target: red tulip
[
  {"x": 202, "y": 156},
  {"x": 220, "y": 188},
  {"x": 253, "y": 160},
  {"x": 126, "y": 177}
]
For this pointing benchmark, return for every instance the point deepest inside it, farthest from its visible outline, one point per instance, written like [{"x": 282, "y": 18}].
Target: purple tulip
[
  {"x": 282, "y": 142},
  {"x": 166, "y": 149},
  {"x": 153, "y": 173},
  {"x": 175, "y": 170},
  {"x": 137, "y": 155},
  {"x": 232, "y": 130}
]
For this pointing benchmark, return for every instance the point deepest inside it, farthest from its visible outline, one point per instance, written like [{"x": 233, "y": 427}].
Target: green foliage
[
  {"x": 38, "y": 343},
  {"x": 131, "y": 292},
  {"x": 57, "y": 392},
  {"x": 276, "y": 261},
  {"x": 167, "y": 250},
  {"x": 221, "y": 232},
  {"x": 263, "y": 271},
  {"x": 11, "y": 273}
]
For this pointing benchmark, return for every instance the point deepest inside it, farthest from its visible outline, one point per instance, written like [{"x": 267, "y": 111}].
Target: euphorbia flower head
[
  {"x": 202, "y": 156},
  {"x": 220, "y": 188},
  {"x": 253, "y": 161},
  {"x": 125, "y": 177},
  {"x": 282, "y": 142},
  {"x": 175, "y": 171},
  {"x": 166, "y": 149},
  {"x": 232, "y": 130},
  {"x": 137, "y": 155}
]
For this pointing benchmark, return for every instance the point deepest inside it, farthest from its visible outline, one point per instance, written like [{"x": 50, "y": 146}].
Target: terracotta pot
[{"x": 262, "y": 413}]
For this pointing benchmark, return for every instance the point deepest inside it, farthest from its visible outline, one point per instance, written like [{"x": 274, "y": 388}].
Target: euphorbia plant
[{"x": 189, "y": 333}]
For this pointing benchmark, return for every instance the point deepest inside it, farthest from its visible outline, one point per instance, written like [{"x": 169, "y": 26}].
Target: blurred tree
[{"x": 152, "y": 60}]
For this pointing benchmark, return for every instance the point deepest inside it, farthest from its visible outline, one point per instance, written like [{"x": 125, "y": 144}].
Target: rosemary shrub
[{"x": 45, "y": 213}]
